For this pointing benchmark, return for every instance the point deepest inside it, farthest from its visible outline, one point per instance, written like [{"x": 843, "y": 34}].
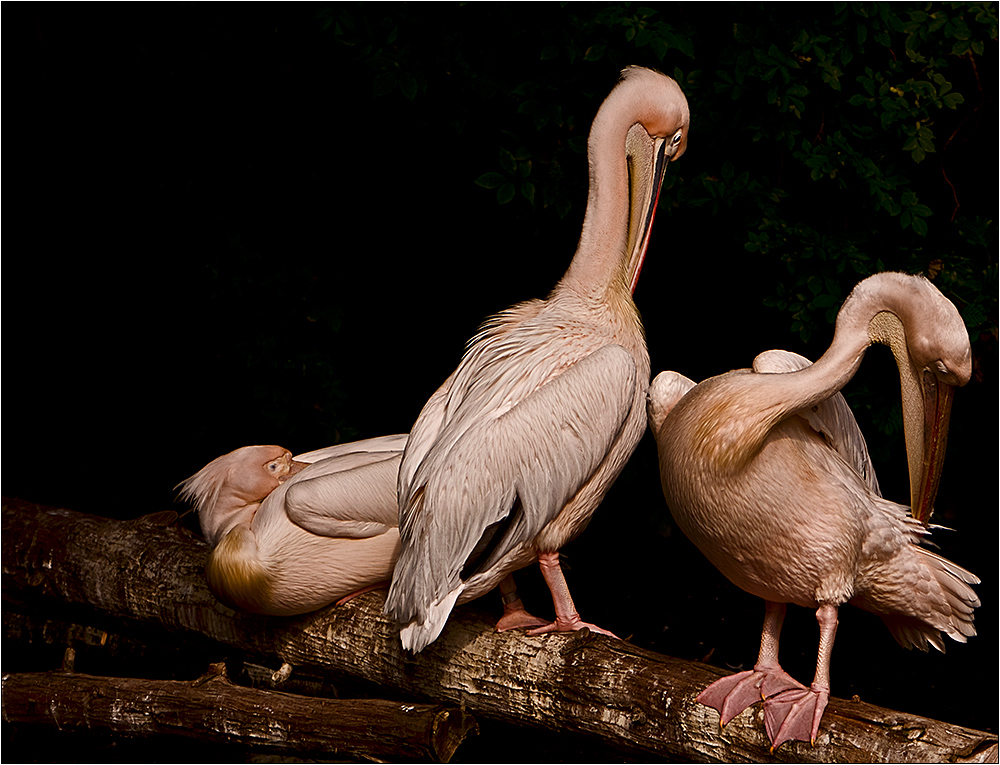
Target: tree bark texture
[
  {"x": 214, "y": 710},
  {"x": 148, "y": 573}
]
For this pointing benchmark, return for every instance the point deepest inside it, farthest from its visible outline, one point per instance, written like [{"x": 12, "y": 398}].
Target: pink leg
[
  {"x": 796, "y": 714},
  {"x": 732, "y": 694},
  {"x": 370, "y": 587},
  {"x": 514, "y": 614},
  {"x": 567, "y": 619}
]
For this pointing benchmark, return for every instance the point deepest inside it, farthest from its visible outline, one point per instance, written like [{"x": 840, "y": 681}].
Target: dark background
[{"x": 235, "y": 224}]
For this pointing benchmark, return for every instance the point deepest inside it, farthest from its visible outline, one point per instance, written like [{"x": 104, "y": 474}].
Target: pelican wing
[
  {"x": 506, "y": 475},
  {"x": 664, "y": 392},
  {"x": 833, "y": 418},
  {"x": 351, "y": 495},
  {"x": 391, "y": 445}
]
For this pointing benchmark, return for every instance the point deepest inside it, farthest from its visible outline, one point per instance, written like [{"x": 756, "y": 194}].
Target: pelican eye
[
  {"x": 272, "y": 466},
  {"x": 677, "y": 138},
  {"x": 940, "y": 367}
]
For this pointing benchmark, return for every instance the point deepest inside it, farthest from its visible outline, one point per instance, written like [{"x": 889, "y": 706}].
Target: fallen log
[
  {"x": 214, "y": 710},
  {"x": 147, "y": 573}
]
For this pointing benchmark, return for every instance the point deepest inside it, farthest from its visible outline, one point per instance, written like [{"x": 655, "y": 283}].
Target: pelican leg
[
  {"x": 731, "y": 695},
  {"x": 567, "y": 619},
  {"x": 514, "y": 614},
  {"x": 376, "y": 586},
  {"x": 795, "y": 714}
]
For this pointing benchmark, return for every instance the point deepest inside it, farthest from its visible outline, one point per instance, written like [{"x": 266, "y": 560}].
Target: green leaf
[
  {"x": 825, "y": 301},
  {"x": 491, "y": 180},
  {"x": 505, "y": 193},
  {"x": 952, "y": 100},
  {"x": 507, "y": 161},
  {"x": 408, "y": 84},
  {"x": 974, "y": 314},
  {"x": 528, "y": 191},
  {"x": 686, "y": 45}
]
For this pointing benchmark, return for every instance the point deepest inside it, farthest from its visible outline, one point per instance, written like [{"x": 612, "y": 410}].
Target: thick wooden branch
[
  {"x": 148, "y": 572},
  {"x": 214, "y": 710}
]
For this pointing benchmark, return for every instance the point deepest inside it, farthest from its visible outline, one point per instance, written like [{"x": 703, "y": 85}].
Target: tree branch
[
  {"x": 215, "y": 711},
  {"x": 148, "y": 573}
]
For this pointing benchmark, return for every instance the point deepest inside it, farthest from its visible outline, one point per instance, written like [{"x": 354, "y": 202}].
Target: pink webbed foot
[
  {"x": 567, "y": 618},
  {"x": 795, "y": 714},
  {"x": 570, "y": 625},
  {"x": 516, "y": 617},
  {"x": 731, "y": 695}
]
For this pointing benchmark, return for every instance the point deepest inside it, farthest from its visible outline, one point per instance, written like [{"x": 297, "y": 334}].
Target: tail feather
[
  {"x": 939, "y": 599},
  {"x": 417, "y": 635}
]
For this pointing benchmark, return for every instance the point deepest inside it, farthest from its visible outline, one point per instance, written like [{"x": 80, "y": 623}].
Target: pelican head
[
  {"x": 644, "y": 120},
  {"x": 658, "y": 137},
  {"x": 228, "y": 490},
  {"x": 929, "y": 341}
]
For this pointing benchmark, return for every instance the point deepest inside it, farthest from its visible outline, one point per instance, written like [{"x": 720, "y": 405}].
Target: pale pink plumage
[
  {"x": 290, "y": 537},
  {"x": 510, "y": 457},
  {"x": 766, "y": 472}
]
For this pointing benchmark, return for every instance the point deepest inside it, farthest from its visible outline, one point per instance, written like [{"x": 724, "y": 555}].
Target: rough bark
[
  {"x": 212, "y": 709},
  {"x": 148, "y": 573}
]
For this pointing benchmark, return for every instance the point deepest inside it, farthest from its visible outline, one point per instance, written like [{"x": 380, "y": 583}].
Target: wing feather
[
  {"x": 390, "y": 445},
  {"x": 352, "y": 495},
  {"x": 833, "y": 418},
  {"x": 538, "y": 452}
]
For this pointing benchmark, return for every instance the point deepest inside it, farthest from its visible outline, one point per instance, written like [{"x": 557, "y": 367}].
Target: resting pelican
[
  {"x": 766, "y": 472},
  {"x": 293, "y": 535},
  {"x": 290, "y": 537},
  {"x": 511, "y": 455}
]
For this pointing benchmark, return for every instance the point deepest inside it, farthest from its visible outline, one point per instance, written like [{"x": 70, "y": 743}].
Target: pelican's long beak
[
  {"x": 926, "y": 413},
  {"x": 647, "y": 163},
  {"x": 937, "y": 397},
  {"x": 293, "y": 468}
]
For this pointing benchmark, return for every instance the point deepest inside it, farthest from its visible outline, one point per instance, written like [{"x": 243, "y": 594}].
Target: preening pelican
[
  {"x": 766, "y": 471},
  {"x": 511, "y": 455},
  {"x": 290, "y": 536},
  {"x": 293, "y": 535}
]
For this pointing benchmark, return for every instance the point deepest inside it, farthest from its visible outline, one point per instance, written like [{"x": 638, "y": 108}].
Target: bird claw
[
  {"x": 795, "y": 714},
  {"x": 516, "y": 617},
  {"x": 570, "y": 625},
  {"x": 732, "y": 694}
]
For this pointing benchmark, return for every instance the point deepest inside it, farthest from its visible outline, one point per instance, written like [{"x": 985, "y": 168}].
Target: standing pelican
[
  {"x": 766, "y": 472},
  {"x": 511, "y": 455},
  {"x": 293, "y": 535},
  {"x": 290, "y": 537}
]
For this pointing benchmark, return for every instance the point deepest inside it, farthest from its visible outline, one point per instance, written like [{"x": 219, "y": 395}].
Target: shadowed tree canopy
[{"x": 257, "y": 223}]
